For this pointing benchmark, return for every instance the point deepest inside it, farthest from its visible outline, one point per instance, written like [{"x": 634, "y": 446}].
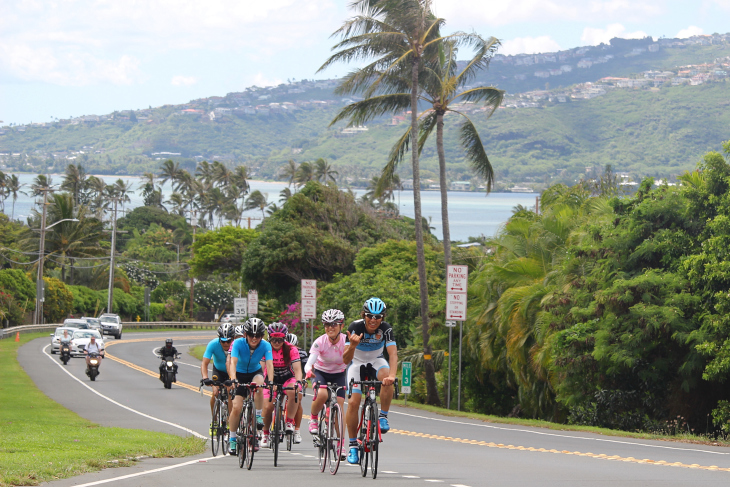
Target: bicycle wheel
[
  {"x": 364, "y": 446},
  {"x": 336, "y": 438},
  {"x": 241, "y": 436},
  {"x": 322, "y": 437},
  {"x": 251, "y": 434},
  {"x": 214, "y": 428},
  {"x": 223, "y": 428},
  {"x": 374, "y": 440},
  {"x": 274, "y": 438}
]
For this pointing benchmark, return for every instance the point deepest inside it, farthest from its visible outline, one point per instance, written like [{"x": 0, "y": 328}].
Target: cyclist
[
  {"x": 366, "y": 339},
  {"x": 237, "y": 334},
  {"x": 293, "y": 340},
  {"x": 167, "y": 351},
  {"x": 287, "y": 372},
  {"x": 326, "y": 363},
  {"x": 218, "y": 350},
  {"x": 246, "y": 355}
]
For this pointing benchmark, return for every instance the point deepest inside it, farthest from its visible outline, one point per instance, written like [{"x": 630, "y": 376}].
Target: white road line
[
  {"x": 388, "y": 471},
  {"x": 175, "y": 425},
  {"x": 558, "y": 435},
  {"x": 432, "y": 480},
  {"x": 146, "y": 472},
  {"x": 411, "y": 477},
  {"x": 459, "y": 485}
]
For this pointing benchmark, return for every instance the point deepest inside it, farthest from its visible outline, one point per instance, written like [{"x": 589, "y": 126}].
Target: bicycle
[
  {"x": 219, "y": 433},
  {"x": 279, "y": 422},
  {"x": 247, "y": 432},
  {"x": 369, "y": 436},
  {"x": 331, "y": 429}
]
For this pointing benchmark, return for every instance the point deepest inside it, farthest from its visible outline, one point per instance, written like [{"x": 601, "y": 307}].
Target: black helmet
[
  {"x": 168, "y": 342},
  {"x": 254, "y": 326},
  {"x": 225, "y": 332}
]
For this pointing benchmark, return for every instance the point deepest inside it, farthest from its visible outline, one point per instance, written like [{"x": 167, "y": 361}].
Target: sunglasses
[
  {"x": 254, "y": 336},
  {"x": 373, "y": 317},
  {"x": 332, "y": 324},
  {"x": 277, "y": 340},
  {"x": 225, "y": 341}
]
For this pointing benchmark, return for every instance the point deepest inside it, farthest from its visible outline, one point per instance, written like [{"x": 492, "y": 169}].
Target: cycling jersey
[
  {"x": 283, "y": 372},
  {"x": 372, "y": 344},
  {"x": 326, "y": 356},
  {"x": 248, "y": 360},
  {"x": 215, "y": 351}
]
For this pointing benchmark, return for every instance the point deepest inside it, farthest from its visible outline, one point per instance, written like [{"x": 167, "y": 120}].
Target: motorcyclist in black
[{"x": 167, "y": 351}]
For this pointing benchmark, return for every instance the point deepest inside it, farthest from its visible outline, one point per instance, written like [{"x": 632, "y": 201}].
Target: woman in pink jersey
[{"x": 325, "y": 362}]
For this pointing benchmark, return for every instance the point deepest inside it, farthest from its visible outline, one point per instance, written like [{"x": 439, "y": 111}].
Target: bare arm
[
  {"x": 297, "y": 368},
  {"x": 350, "y": 349},
  {"x": 232, "y": 367},
  {"x": 270, "y": 369},
  {"x": 204, "y": 368},
  {"x": 393, "y": 360}
]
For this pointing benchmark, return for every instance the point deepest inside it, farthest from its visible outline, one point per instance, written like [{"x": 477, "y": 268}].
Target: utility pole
[
  {"x": 41, "y": 254},
  {"x": 194, "y": 221},
  {"x": 110, "y": 299}
]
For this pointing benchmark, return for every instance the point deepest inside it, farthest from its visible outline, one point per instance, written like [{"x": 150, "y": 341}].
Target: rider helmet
[
  {"x": 333, "y": 316},
  {"x": 292, "y": 339},
  {"x": 238, "y": 331},
  {"x": 254, "y": 326},
  {"x": 374, "y": 306},
  {"x": 168, "y": 342},
  {"x": 277, "y": 330},
  {"x": 225, "y": 332}
]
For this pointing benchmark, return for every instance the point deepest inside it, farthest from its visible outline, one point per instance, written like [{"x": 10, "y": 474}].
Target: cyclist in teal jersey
[
  {"x": 244, "y": 366},
  {"x": 218, "y": 350}
]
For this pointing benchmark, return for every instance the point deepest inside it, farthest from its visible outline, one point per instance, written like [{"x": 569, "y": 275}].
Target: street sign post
[
  {"x": 457, "y": 280},
  {"x": 240, "y": 307},
  {"x": 308, "y": 305},
  {"x": 253, "y": 303},
  {"x": 406, "y": 382}
]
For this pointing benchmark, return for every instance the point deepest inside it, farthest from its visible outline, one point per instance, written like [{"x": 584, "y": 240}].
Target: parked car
[
  {"x": 77, "y": 323},
  {"x": 111, "y": 324},
  {"x": 56, "y": 337},
  {"x": 94, "y": 323},
  {"x": 230, "y": 318},
  {"x": 82, "y": 338}
]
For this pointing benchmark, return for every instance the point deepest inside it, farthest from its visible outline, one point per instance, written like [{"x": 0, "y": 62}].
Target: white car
[
  {"x": 82, "y": 338},
  {"x": 56, "y": 337},
  {"x": 111, "y": 324},
  {"x": 94, "y": 323}
]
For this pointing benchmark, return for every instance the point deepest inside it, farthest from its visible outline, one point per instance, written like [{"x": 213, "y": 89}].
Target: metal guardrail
[{"x": 132, "y": 325}]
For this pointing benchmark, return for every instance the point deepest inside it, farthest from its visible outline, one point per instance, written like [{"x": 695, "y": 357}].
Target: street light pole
[
  {"x": 110, "y": 293},
  {"x": 41, "y": 254},
  {"x": 194, "y": 221}
]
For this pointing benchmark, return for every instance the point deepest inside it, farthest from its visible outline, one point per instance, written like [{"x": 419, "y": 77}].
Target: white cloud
[
  {"x": 181, "y": 80},
  {"x": 593, "y": 37},
  {"x": 260, "y": 80},
  {"x": 690, "y": 31},
  {"x": 529, "y": 45}
]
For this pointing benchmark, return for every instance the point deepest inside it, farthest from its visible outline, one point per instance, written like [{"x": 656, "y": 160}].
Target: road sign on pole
[
  {"x": 309, "y": 299},
  {"x": 457, "y": 277},
  {"x": 406, "y": 382},
  {"x": 253, "y": 303},
  {"x": 240, "y": 307}
]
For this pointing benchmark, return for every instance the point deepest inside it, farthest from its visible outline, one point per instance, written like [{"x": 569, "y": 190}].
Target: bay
[{"x": 470, "y": 214}]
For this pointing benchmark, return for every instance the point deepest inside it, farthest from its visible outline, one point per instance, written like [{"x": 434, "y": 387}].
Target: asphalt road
[{"x": 421, "y": 448}]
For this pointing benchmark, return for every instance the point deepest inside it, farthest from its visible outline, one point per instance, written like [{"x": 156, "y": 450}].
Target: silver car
[
  {"x": 58, "y": 334},
  {"x": 82, "y": 338},
  {"x": 230, "y": 318},
  {"x": 111, "y": 324},
  {"x": 94, "y": 323}
]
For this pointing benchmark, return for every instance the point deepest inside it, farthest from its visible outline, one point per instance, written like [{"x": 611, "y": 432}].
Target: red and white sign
[
  {"x": 309, "y": 299},
  {"x": 457, "y": 277},
  {"x": 253, "y": 303}
]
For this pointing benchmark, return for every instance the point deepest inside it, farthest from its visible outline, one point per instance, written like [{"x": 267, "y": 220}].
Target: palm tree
[
  {"x": 215, "y": 202},
  {"x": 123, "y": 190},
  {"x": 240, "y": 179},
  {"x": 323, "y": 171},
  {"x": 3, "y": 190},
  {"x": 177, "y": 201},
  {"x": 41, "y": 182},
  {"x": 204, "y": 171},
  {"x": 13, "y": 188},
  {"x": 170, "y": 171},
  {"x": 289, "y": 171},
  {"x": 305, "y": 173},
  {"x": 441, "y": 90},
  {"x": 398, "y": 34},
  {"x": 257, "y": 200},
  {"x": 74, "y": 181},
  {"x": 284, "y": 195},
  {"x": 99, "y": 203},
  {"x": 221, "y": 174}
]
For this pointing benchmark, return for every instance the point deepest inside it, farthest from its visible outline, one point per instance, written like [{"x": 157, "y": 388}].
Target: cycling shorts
[
  {"x": 219, "y": 375},
  {"x": 246, "y": 378},
  {"x": 288, "y": 383},
  {"x": 353, "y": 371},
  {"x": 339, "y": 378}
]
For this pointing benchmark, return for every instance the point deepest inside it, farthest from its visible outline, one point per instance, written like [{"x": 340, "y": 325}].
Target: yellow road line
[{"x": 601, "y": 456}]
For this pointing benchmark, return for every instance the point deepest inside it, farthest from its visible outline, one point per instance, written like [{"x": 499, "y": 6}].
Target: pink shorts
[{"x": 289, "y": 383}]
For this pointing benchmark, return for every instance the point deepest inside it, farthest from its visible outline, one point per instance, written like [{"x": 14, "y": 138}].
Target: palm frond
[
  {"x": 475, "y": 152},
  {"x": 489, "y": 95},
  {"x": 365, "y": 110}
]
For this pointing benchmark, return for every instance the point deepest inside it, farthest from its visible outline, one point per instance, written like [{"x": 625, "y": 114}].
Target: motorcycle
[
  {"x": 92, "y": 370},
  {"x": 168, "y": 370},
  {"x": 65, "y": 352}
]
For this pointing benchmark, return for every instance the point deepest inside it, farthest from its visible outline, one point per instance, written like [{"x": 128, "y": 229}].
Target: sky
[{"x": 66, "y": 58}]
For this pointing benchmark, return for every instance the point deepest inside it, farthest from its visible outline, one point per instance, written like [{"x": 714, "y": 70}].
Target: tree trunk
[
  {"x": 444, "y": 196},
  {"x": 432, "y": 396}
]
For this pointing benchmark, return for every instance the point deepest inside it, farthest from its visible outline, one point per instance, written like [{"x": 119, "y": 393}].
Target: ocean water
[{"x": 470, "y": 214}]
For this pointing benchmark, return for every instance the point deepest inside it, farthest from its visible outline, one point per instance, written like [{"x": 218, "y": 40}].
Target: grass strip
[
  {"x": 40, "y": 440},
  {"x": 538, "y": 423},
  {"x": 197, "y": 351}
]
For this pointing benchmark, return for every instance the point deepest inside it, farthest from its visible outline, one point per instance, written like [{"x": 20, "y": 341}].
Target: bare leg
[
  {"x": 386, "y": 392},
  {"x": 351, "y": 417}
]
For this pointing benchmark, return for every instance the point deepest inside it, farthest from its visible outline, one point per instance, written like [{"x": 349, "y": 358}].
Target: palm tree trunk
[
  {"x": 444, "y": 196},
  {"x": 431, "y": 391}
]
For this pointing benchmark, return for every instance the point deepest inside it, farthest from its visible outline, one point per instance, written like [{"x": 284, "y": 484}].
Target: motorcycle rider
[
  {"x": 167, "y": 351},
  {"x": 93, "y": 347}
]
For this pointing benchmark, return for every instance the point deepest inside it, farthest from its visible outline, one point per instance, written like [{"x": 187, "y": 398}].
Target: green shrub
[
  {"x": 17, "y": 284},
  {"x": 58, "y": 301}
]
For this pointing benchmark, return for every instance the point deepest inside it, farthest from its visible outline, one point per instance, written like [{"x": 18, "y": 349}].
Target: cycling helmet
[
  {"x": 238, "y": 331},
  {"x": 292, "y": 339},
  {"x": 254, "y": 326},
  {"x": 225, "y": 331},
  {"x": 277, "y": 330},
  {"x": 375, "y": 306},
  {"x": 333, "y": 316}
]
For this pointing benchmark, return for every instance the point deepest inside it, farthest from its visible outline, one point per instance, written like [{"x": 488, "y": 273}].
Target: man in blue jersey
[
  {"x": 366, "y": 340},
  {"x": 218, "y": 350},
  {"x": 245, "y": 367}
]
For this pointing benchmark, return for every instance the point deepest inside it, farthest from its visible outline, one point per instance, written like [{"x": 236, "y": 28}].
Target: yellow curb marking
[{"x": 601, "y": 456}]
